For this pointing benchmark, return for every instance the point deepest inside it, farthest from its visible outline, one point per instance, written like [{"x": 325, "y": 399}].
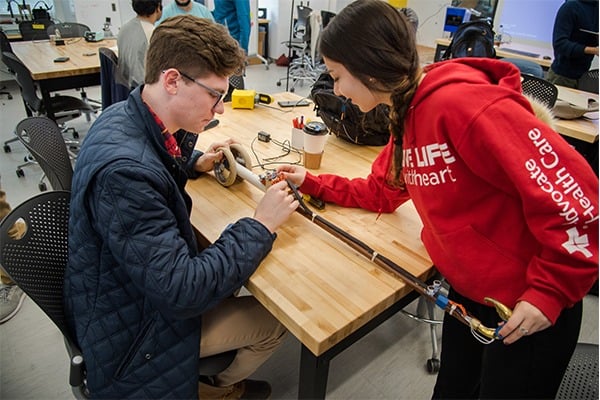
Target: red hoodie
[{"x": 509, "y": 209}]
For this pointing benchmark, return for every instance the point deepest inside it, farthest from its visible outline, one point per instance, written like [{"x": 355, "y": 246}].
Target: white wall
[{"x": 94, "y": 13}]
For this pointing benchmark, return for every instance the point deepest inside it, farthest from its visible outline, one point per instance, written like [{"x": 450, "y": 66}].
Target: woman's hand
[
  {"x": 525, "y": 320},
  {"x": 212, "y": 155},
  {"x": 276, "y": 206},
  {"x": 294, "y": 173}
]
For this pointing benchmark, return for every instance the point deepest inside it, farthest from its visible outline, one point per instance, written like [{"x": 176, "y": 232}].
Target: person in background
[
  {"x": 133, "y": 39},
  {"x": 11, "y": 296},
  {"x": 509, "y": 209},
  {"x": 190, "y": 7},
  {"x": 575, "y": 41},
  {"x": 235, "y": 14},
  {"x": 144, "y": 299}
]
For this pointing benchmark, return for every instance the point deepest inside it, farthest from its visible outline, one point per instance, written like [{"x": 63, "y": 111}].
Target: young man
[
  {"x": 190, "y": 7},
  {"x": 575, "y": 41},
  {"x": 133, "y": 40},
  {"x": 144, "y": 300}
]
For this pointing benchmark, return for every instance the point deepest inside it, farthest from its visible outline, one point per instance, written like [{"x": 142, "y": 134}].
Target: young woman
[{"x": 509, "y": 210}]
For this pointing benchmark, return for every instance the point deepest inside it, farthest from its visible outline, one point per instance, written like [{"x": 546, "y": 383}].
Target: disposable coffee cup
[
  {"x": 297, "y": 138},
  {"x": 315, "y": 137}
]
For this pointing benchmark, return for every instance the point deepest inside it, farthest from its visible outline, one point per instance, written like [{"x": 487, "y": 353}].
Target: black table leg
[{"x": 313, "y": 375}]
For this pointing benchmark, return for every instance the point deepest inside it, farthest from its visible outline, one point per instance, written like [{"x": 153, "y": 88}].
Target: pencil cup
[
  {"x": 315, "y": 137},
  {"x": 297, "y": 138}
]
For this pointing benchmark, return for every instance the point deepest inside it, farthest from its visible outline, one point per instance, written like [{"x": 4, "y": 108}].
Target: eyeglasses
[{"x": 216, "y": 94}]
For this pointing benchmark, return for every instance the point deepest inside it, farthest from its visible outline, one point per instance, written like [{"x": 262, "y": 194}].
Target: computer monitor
[{"x": 528, "y": 22}]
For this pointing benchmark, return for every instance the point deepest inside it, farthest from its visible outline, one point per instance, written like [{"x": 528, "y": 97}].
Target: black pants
[{"x": 531, "y": 368}]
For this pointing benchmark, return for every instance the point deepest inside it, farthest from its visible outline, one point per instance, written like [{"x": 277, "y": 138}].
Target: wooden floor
[{"x": 389, "y": 363}]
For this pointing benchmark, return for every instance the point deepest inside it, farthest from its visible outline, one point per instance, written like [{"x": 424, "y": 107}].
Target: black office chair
[
  {"x": 301, "y": 68},
  {"x": 113, "y": 86},
  {"x": 65, "y": 107},
  {"x": 68, "y": 30},
  {"x": 44, "y": 141},
  {"x": 35, "y": 30},
  {"x": 326, "y": 17},
  {"x": 540, "y": 89},
  {"x": 5, "y": 45},
  {"x": 37, "y": 263},
  {"x": 235, "y": 82},
  {"x": 580, "y": 381},
  {"x": 589, "y": 81}
]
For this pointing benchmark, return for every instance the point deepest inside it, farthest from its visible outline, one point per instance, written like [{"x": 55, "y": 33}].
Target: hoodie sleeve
[
  {"x": 559, "y": 195},
  {"x": 370, "y": 193}
]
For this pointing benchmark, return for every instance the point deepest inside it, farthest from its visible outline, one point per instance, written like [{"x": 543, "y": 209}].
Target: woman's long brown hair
[{"x": 377, "y": 45}]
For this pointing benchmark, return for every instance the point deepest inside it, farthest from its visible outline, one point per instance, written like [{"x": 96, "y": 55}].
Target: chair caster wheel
[
  {"x": 278, "y": 83},
  {"x": 433, "y": 365},
  {"x": 75, "y": 135},
  {"x": 292, "y": 90},
  {"x": 20, "y": 173},
  {"x": 42, "y": 187},
  {"x": 7, "y": 148}
]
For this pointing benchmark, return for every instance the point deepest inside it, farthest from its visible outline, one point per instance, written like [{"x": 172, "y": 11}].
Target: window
[{"x": 24, "y": 9}]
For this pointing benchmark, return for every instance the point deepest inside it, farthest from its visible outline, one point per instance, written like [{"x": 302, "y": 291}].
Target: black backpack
[
  {"x": 472, "y": 39},
  {"x": 345, "y": 119}
]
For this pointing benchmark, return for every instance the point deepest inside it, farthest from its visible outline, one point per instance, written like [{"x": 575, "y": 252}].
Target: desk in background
[
  {"x": 501, "y": 52},
  {"x": 325, "y": 293},
  {"x": 80, "y": 71},
  {"x": 264, "y": 23},
  {"x": 581, "y": 133}
]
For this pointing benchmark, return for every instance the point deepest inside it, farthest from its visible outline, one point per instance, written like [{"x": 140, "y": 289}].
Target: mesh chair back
[
  {"x": 302, "y": 25},
  {"x": 235, "y": 82},
  {"x": 34, "y": 30},
  {"x": 37, "y": 261},
  {"x": 43, "y": 139},
  {"x": 68, "y": 30},
  {"x": 589, "y": 81},
  {"x": 539, "y": 89},
  {"x": 581, "y": 378}
]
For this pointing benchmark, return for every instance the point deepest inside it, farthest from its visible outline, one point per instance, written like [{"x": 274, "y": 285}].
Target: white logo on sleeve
[{"x": 577, "y": 242}]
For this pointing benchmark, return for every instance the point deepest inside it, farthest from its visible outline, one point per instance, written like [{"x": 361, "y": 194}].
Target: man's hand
[
  {"x": 276, "y": 206},
  {"x": 212, "y": 155}
]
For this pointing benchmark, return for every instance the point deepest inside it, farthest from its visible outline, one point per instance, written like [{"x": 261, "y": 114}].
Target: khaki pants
[
  {"x": 240, "y": 323},
  {"x": 561, "y": 80}
]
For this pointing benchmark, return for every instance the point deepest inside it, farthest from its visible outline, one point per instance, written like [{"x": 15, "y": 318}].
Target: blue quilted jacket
[{"x": 136, "y": 284}]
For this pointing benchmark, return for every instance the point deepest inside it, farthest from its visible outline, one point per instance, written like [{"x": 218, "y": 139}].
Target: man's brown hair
[{"x": 195, "y": 46}]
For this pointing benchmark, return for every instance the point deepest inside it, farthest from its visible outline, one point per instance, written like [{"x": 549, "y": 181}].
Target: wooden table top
[
  {"x": 39, "y": 55},
  {"x": 317, "y": 286},
  {"x": 583, "y": 128}
]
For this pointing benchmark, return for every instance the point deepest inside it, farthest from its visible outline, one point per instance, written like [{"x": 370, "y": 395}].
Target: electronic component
[
  {"x": 313, "y": 201},
  {"x": 264, "y": 136},
  {"x": 294, "y": 103}
]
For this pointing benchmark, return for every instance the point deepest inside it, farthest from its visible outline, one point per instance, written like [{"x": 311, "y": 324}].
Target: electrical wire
[{"x": 286, "y": 150}]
